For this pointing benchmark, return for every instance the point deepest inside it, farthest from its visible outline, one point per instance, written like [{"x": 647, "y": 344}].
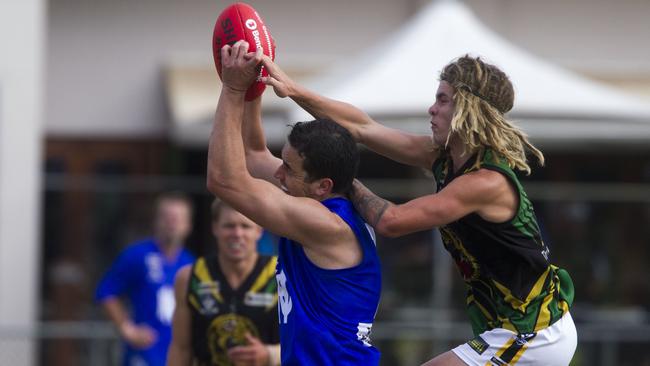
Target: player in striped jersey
[
  {"x": 517, "y": 301},
  {"x": 226, "y": 312}
]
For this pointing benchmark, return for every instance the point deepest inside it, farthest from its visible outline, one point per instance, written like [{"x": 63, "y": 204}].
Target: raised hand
[
  {"x": 239, "y": 67},
  {"x": 281, "y": 82}
]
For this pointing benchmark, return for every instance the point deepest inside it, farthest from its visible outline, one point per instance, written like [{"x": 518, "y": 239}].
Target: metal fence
[{"x": 401, "y": 343}]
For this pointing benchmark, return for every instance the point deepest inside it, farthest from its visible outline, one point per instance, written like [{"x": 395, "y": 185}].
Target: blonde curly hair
[{"x": 482, "y": 95}]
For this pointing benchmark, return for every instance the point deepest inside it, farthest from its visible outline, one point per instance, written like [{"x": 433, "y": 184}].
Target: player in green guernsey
[
  {"x": 510, "y": 282},
  {"x": 517, "y": 301}
]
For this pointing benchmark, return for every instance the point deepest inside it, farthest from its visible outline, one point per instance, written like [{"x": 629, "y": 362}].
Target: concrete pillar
[{"x": 22, "y": 25}]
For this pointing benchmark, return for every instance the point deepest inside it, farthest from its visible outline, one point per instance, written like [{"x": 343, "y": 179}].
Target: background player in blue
[
  {"x": 144, "y": 272},
  {"x": 328, "y": 272}
]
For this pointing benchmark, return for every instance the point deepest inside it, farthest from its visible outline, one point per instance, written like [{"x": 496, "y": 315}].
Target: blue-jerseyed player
[
  {"x": 144, "y": 273},
  {"x": 328, "y": 272}
]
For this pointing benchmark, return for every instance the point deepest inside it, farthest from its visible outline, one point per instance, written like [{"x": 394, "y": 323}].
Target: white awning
[{"x": 395, "y": 83}]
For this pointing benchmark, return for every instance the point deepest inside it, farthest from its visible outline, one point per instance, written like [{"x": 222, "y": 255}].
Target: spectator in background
[
  {"x": 226, "y": 310},
  {"x": 144, "y": 273}
]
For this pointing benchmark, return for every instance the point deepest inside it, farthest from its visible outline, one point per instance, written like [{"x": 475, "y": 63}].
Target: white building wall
[
  {"x": 105, "y": 57},
  {"x": 591, "y": 36}
]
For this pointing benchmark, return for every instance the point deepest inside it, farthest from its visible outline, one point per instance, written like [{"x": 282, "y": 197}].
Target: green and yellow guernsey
[{"x": 510, "y": 281}]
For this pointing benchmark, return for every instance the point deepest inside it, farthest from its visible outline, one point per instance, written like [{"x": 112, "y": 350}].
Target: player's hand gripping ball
[{"x": 241, "y": 21}]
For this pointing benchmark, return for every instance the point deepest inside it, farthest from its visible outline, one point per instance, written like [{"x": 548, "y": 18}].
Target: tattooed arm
[
  {"x": 484, "y": 192},
  {"x": 370, "y": 206}
]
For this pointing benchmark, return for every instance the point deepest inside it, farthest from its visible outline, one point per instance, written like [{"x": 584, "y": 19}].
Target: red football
[{"x": 241, "y": 21}]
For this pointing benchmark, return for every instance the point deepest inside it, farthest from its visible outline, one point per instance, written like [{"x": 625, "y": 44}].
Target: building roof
[{"x": 395, "y": 81}]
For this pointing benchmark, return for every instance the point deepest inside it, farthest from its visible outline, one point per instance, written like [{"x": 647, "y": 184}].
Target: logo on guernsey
[
  {"x": 154, "y": 265},
  {"x": 258, "y": 299},
  {"x": 466, "y": 263},
  {"x": 226, "y": 331},
  {"x": 165, "y": 303},
  {"x": 524, "y": 338},
  {"x": 496, "y": 361},
  {"x": 545, "y": 252},
  {"x": 284, "y": 300},
  {"x": 363, "y": 333},
  {"x": 479, "y": 345}
]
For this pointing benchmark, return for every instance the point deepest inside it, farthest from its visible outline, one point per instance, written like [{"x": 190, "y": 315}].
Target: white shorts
[{"x": 552, "y": 346}]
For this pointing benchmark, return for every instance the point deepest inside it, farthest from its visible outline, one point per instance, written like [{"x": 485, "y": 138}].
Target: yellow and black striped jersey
[
  {"x": 221, "y": 316},
  {"x": 510, "y": 281}
]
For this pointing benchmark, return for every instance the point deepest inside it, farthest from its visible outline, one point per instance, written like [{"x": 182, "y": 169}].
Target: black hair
[{"x": 328, "y": 150}]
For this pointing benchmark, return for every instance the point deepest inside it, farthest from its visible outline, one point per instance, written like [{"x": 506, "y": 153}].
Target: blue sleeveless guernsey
[
  {"x": 326, "y": 315},
  {"x": 146, "y": 277}
]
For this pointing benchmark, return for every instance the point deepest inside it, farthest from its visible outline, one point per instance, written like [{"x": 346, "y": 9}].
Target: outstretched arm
[
  {"x": 484, "y": 192},
  {"x": 406, "y": 148},
  {"x": 304, "y": 220},
  {"x": 261, "y": 163},
  {"x": 370, "y": 206}
]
